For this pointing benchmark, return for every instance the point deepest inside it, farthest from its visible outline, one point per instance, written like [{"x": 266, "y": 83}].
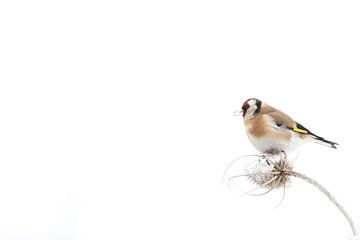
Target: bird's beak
[{"x": 238, "y": 113}]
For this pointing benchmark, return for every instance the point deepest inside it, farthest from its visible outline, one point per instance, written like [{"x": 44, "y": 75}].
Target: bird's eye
[{"x": 245, "y": 106}]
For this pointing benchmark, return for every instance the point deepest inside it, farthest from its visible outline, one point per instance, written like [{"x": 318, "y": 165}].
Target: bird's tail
[{"x": 323, "y": 141}]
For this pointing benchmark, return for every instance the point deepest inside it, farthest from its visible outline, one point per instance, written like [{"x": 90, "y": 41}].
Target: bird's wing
[{"x": 283, "y": 120}]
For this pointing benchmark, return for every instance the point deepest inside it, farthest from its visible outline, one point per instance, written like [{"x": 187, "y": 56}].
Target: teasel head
[
  {"x": 268, "y": 173},
  {"x": 274, "y": 171}
]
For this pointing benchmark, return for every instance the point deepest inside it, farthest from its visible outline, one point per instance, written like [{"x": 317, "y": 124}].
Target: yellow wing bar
[{"x": 295, "y": 129}]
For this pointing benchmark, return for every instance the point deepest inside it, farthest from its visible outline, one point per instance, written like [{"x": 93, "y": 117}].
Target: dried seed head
[
  {"x": 272, "y": 170},
  {"x": 269, "y": 173}
]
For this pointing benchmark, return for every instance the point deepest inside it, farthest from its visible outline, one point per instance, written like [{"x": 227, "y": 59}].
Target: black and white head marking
[{"x": 251, "y": 107}]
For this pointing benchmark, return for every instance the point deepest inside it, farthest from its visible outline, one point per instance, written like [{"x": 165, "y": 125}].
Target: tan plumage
[{"x": 268, "y": 128}]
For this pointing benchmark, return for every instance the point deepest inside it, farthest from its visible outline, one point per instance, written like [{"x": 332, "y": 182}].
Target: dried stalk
[
  {"x": 274, "y": 174},
  {"x": 329, "y": 196}
]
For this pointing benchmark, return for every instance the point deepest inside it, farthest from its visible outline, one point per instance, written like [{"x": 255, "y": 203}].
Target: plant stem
[{"x": 328, "y": 194}]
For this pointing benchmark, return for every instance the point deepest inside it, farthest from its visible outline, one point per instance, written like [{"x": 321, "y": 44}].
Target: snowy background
[{"x": 116, "y": 116}]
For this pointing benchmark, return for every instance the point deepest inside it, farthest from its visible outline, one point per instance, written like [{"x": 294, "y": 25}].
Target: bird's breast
[
  {"x": 265, "y": 135},
  {"x": 256, "y": 127}
]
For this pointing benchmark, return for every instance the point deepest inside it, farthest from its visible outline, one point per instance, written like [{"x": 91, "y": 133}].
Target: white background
[{"x": 116, "y": 116}]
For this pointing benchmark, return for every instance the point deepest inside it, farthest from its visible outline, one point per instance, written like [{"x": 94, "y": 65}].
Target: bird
[{"x": 270, "y": 130}]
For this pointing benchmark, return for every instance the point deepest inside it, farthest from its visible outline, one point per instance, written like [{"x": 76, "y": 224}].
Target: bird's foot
[
  {"x": 272, "y": 151},
  {"x": 275, "y": 153}
]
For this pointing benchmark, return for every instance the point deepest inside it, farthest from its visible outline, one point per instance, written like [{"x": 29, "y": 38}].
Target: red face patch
[{"x": 245, "y": 104}]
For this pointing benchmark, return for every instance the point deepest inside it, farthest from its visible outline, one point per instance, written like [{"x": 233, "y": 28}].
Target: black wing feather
[{"x": 333, "y": 144}]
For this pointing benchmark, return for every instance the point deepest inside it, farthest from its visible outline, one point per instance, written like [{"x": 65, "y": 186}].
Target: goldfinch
[{"x": 270, "y": 129}]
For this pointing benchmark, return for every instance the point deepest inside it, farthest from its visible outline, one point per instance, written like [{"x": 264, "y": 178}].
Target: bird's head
[{"x": 251, "y": 107}]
